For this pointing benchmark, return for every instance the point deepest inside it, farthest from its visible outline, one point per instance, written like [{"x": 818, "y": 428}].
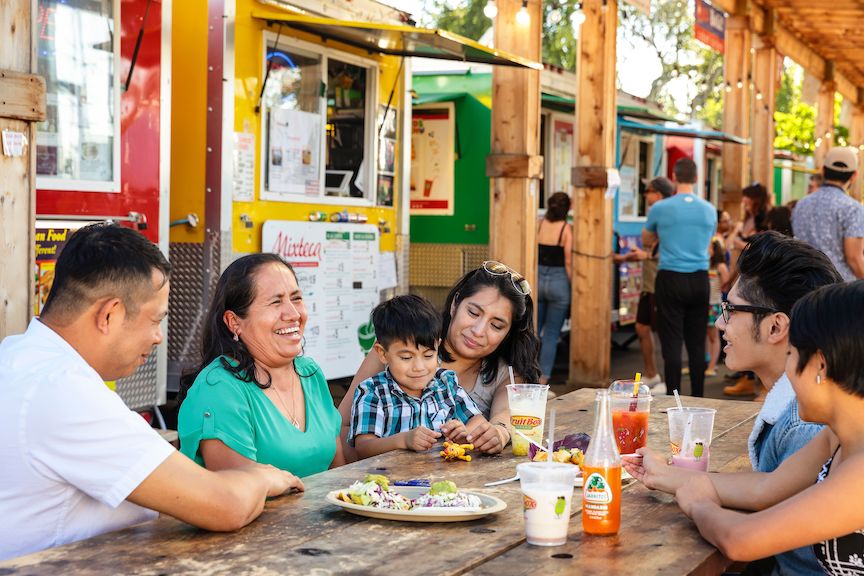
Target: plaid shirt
[{"x": 382, "y": 408}]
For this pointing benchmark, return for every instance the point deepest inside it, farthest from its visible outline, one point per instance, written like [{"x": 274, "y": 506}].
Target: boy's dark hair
[
  {"x": 829, "y": 320},
  {"x": 685, "y": 171},
  {"x": 104, "y": 260},
  {"x": 409, "y": 318},
  {"x": 776, "y": 271}
]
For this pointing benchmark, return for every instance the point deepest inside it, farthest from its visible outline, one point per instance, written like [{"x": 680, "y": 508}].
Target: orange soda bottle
[{"x": 601, "y": 471}]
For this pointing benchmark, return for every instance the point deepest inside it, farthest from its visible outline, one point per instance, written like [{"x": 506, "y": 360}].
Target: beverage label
[
  {"x": 528, "y": 503},
  {"x": 525, "y": 422},
  {"x": 597, "y": 490}
]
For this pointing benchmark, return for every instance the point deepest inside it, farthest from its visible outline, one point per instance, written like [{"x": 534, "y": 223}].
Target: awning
[
  {"x": 396, "y": 39},
  {"x": 567, "y": 104},
  {"x": 632, "y": 126}
]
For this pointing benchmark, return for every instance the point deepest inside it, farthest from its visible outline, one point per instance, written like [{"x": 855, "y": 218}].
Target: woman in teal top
[{"x": 255, "y": 398}]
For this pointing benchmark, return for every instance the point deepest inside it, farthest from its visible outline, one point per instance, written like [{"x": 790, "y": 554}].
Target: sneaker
[
  {"x": 653, "y": 381},
  {"x": 658, "y": 389},
  {"x": 745, "y": 386},
  {"x": 710, "y": 372},
  {"x": 685, "y": 371}
]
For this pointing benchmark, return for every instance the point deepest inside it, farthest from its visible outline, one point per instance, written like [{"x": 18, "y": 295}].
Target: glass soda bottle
[{"x": 601, "y": 470}]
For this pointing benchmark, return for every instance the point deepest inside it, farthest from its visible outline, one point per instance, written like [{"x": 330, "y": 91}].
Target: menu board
[
  {"x": 432, "y": 160},
  {"x": 337, "y": 269}
]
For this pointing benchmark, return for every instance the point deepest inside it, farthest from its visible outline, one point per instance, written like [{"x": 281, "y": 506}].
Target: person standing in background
[
  {"x": 554, "y": 275},
  {"x": 684, "y": 225}
]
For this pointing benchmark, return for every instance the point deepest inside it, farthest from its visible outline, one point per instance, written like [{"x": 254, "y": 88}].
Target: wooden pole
[
  {"x": 736, "y": 109},
  {"x": 825, "y": 117},
  {"x": 22, "y": 104},
  {"x": 514, "y": 166},
  {"x": 856, "y": 139},
  {"x": 590, "y": 334},
  {"x": 764, "y": 96}
]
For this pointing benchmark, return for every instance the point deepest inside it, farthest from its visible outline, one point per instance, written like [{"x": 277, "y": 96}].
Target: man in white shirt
[{"x": 76, "y": 462}]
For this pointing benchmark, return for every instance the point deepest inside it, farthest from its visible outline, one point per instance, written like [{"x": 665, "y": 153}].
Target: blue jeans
[{"x": 553, "y": 302}]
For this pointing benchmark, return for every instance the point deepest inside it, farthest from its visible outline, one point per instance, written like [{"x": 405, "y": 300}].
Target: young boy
[{"x": 405, "y": 406}]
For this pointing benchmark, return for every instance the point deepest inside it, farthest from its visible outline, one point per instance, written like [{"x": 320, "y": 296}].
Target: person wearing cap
[
  {"x": 656, "y": 189},
  {"x": 830, "y": 220},
  {"x": 684, "y": 225}
]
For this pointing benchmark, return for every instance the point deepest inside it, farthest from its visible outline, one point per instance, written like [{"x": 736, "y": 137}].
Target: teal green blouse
[{"x": 222, "y": 407}]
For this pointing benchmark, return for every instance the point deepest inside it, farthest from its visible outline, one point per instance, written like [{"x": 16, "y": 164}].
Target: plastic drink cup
[
  {"x": 629, "y": 415},
  {"x": 547, "y": 492},
  {"x": 691, "y": 448},
  {"x": 527, "y": 412}
]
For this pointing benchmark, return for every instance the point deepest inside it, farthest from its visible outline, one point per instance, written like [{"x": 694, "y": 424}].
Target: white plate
[{"x": 488, "y": 505}]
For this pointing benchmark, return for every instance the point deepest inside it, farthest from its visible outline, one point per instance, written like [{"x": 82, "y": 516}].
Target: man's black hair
[
  {"x": 776, "y": 271},
  {"x": 409, "y": 318},
  {"x": 836, "y": 175},
  {"x": 829, "y": 320},
  {"x": 104, "y": 260}
]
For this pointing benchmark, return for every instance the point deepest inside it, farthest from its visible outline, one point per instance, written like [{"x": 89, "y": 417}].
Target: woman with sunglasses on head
[
  {"x": 488, "y": 325},
  {"x": 812, "y": 499}
]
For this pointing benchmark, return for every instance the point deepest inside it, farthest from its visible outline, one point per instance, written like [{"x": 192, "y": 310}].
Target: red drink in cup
[{"x": 630, "y": 414}]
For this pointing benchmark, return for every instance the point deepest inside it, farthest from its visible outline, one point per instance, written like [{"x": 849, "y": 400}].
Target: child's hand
[
  {"x": 455, "y": 431},
  {"x": 420, "y": 439}
]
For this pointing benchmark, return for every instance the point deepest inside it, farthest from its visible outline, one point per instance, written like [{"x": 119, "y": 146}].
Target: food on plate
[
  {"x": 570, "y": 449},
  {"x": 374, "y": 491},
  {"x": 453, "y": 451}
]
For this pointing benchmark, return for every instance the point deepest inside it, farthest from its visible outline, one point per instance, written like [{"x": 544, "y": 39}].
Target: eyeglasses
[
  {"x": 726, "y": 309},
  {"x": 498, "y": 269}
]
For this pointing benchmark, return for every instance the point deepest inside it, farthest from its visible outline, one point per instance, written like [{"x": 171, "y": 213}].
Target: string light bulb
[
  {"x": 758, "y": 95},
  {"x": 522, "y": 16},
  {"x": 740, "y": 84},
  {"x": 578, "y": 16},
  {"x": 490, "y": 10},
  {"x": 728, "y": 87}
]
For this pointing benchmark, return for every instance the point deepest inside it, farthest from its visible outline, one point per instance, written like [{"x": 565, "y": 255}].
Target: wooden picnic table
[{"x": 302, "y": 534}]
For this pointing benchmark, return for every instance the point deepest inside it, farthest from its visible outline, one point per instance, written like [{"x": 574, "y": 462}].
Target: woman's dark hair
[
  {"x": 779, "y": 219},
  {"x": 829, "y": 320},
  {"x": 520, "y": 347},
  {"x": 557, "y": 207},
  {"x": 235, "y": 291},
  {"x": 759, "y": 195},
  {"x": 410, "y": 318}
]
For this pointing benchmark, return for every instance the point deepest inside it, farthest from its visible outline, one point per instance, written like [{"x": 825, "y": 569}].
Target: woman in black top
[
  {"x": 814, "y": 497},
  {"x": 554, "y": 248}
]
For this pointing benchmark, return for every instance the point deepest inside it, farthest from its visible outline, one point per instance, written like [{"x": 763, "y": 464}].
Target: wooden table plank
[{"x": 300, "y": 534}]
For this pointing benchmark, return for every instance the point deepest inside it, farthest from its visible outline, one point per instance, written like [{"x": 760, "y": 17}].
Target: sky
[{"x": 637, "y": 68}]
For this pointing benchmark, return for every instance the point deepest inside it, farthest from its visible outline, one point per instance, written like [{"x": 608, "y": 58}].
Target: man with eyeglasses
[
  {"x": 775, "y": 271},
  {"x": 684, "y": 225}
]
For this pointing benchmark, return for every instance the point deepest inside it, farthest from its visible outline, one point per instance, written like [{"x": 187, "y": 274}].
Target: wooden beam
[
  {"x": 824, "y": 131},
  {"x": 856, "y": 139},
  {"x": 514, "y": 166},
  {"x": 515, "y": 142},
  {"x": 765, "y": 74},
  {"x": 736, "y": 111},
  {"x": 20, "y": 94},
  {"x": 590, "y": 334}
]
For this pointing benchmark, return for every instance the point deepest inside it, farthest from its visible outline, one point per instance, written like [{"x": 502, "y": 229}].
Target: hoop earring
[
  {"x": 236, "y": 337},
  {"x": 818, "y": 379}
]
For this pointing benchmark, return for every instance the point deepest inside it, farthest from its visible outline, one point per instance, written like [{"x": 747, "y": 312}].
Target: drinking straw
[
  {"x": 678, "y": 400},
  {"x": 685, "y": 441},
  {"x": 512, "y": 379},
  {"x": 634, "y": 403},
  {"x": 551, "y": 433}
]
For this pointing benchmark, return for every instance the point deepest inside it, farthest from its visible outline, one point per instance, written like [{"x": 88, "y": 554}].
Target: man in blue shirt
[{"x": 684, "y": 225}]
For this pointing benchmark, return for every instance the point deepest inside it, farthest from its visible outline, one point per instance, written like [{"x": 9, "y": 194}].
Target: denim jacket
[{"x": 778, "y": 433}]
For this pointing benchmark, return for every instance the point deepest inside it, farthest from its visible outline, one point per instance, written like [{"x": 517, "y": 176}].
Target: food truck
[
  {"x": 290, "y": 128},
  {"x": 103, "y": 151}
]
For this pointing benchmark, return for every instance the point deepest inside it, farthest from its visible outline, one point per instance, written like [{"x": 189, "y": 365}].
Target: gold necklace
[{"x": 290, "y": 414}]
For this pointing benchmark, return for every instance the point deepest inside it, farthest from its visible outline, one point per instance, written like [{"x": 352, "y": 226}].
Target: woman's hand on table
[
  {"x": 649, "y": 468},
  {"x": 486, "y": 437},
  {"x": 280, "y": 481},
  {"x": 698, "y": 489},
  {"x": 455, "y": 431}
]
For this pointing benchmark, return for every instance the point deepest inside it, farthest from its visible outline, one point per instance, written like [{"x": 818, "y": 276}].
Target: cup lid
[{"x": 625, "y": 387}]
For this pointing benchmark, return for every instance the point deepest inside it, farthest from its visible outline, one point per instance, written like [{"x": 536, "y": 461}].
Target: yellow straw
[{"x": 636, "y": 384}]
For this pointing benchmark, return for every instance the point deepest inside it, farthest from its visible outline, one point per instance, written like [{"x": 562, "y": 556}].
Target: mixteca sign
[{"x": 710, "y": 27}]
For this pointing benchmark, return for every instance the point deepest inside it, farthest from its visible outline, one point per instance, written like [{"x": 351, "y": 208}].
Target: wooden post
[
  {"x": 22, "y": 104},
  {"x": 856, "y": 138},
  {"x": 764, "y": 96},
  {"x": 590, "y": 335},
  {"x": 825, "y": 116},
  {"x": 514, "y": 166},
  {"x": 736, "y": 108}
]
